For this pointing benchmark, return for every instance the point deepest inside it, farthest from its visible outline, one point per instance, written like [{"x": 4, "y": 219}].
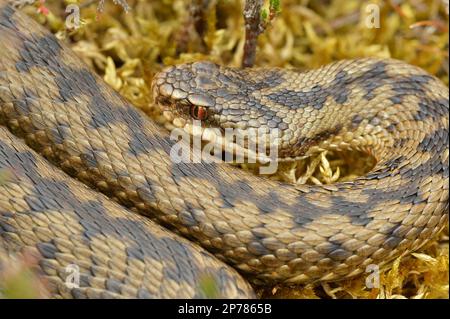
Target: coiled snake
[{"x": 269, "y": 231}]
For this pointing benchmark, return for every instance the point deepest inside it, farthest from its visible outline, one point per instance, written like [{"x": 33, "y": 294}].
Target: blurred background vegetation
[{"x": 128, "y": 48}]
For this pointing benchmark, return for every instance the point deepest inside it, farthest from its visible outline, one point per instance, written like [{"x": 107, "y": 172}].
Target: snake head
[
  {"x": 189, "y": 90},
  {"x": 220, "y": 97}
]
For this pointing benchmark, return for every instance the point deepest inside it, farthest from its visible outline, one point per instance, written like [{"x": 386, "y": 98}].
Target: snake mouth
[
  {"x": 163, "y": 98},
  {"x": 165, "y": 102}
]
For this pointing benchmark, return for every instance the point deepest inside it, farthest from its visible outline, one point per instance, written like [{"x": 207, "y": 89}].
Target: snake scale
[{"x": 269, "y": 231}]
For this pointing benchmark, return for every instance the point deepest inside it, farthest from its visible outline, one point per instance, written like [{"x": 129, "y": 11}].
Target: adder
[{"x": 271, "y": 232}]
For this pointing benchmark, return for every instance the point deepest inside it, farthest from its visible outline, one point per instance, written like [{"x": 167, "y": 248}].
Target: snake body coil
[{"x": 270, "y": 231}]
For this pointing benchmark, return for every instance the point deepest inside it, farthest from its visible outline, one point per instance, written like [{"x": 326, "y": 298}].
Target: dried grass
[{"x": 127, "y": 49}]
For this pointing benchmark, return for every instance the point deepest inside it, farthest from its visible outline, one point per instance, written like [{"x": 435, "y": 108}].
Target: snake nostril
[{"x": 165, "y": 89}]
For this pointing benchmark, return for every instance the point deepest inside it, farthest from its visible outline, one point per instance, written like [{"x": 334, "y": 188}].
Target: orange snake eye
[{"x": 199, "y": 112}]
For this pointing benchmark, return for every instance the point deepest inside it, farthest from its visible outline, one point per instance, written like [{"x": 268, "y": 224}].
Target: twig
[
  {"x": 252, "y": 16},
  {"x": 198, "y": 12},
  {"x": 195, "y": 22},
  {"x": 256, "y": 21},
  {"x": 437, "y": 24}
]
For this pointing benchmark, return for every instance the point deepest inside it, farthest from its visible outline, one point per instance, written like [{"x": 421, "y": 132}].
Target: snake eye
[{"x": 199, "y": 112}]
